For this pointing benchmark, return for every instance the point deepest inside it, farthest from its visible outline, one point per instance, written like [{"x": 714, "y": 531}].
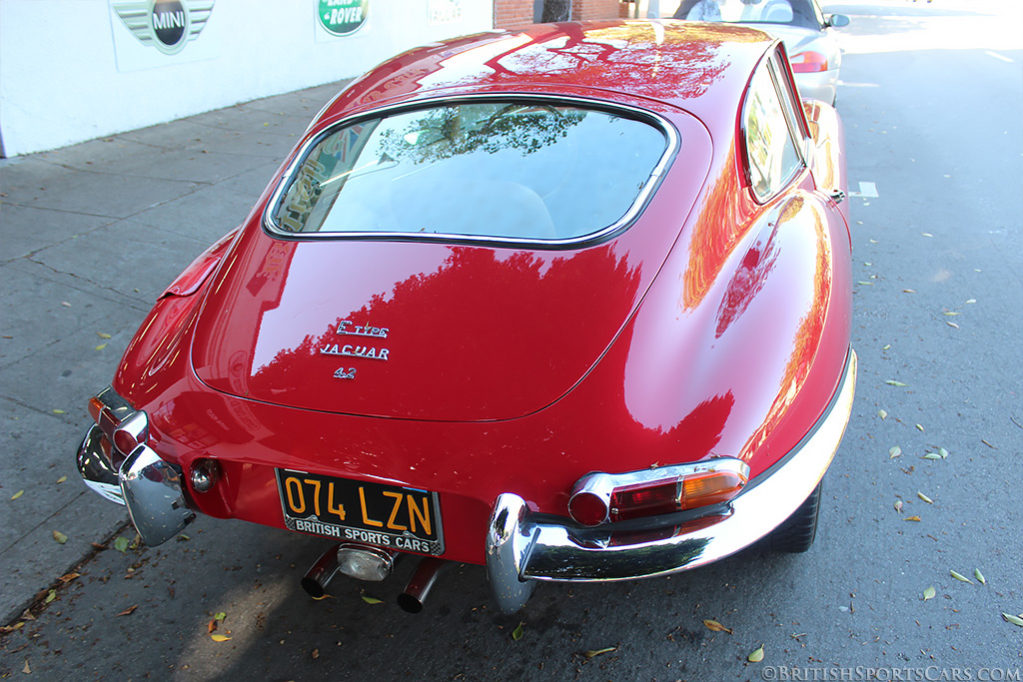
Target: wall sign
[
  {"x": 167, "y": 25},
  {"x": 341, "y": 17}
]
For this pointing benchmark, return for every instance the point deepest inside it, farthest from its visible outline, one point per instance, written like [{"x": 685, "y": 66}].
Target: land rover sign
[{"x": 342, "y": 17}]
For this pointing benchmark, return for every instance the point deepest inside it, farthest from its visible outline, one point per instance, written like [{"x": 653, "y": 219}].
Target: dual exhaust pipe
[{"x": 373, "y": 564}]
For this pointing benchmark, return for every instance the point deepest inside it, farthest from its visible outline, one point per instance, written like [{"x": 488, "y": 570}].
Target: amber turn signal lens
[
  {"x": 95, "y": 408},
  {"x": 713, "y": 487}
]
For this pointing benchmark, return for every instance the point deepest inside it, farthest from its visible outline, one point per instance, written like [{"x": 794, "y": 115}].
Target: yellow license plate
[{"x": 405, "y": 519}]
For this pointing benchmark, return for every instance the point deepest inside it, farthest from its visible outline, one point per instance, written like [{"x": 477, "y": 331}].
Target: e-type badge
[{"x": 355, "y": 350}]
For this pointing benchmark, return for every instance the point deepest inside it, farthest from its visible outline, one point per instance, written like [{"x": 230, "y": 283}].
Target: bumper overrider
[
  {"x": 114, "y": 460},
  {"x": 524, "y": 547}
]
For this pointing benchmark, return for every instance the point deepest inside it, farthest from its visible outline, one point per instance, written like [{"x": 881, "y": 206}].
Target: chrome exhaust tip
[
  {"x": 420, "y": 584},
  {"x": 316, "y": 579}
]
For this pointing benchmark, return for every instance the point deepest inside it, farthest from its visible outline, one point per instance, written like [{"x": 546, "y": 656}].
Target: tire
[{"x": 796, "y": 534}]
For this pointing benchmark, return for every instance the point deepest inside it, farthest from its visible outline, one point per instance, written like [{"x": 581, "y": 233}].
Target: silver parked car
[{"x": 813, "y": 50}]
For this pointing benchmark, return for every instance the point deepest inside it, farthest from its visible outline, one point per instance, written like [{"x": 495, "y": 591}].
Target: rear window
[{"x": 515, "y": 171}]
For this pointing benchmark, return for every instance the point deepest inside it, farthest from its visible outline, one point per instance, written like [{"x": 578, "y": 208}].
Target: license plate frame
[{"x": 391, "y": 516}]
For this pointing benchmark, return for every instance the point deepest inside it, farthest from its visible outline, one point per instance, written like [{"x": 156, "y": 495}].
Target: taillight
[
  {"x": 644, "y": 499},
  {"x": 808, "y": 62},
  {"x": 599, "y": 497},
  {"x": 588, "y": 508}
]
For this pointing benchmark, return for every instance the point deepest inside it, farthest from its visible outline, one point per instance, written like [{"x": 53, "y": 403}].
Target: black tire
[{"x": 797, "y": 533}]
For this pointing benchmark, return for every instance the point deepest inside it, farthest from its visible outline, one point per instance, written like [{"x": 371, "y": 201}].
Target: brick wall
[
  {"x": 594, "y": 9},
  {"x": 508, "y": 13}
]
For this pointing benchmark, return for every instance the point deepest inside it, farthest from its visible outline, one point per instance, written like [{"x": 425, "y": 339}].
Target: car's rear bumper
[{"x": 523, "y": 547}]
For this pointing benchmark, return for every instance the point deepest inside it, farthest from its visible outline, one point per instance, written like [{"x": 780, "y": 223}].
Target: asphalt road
[{"x": 931, "y": 99}]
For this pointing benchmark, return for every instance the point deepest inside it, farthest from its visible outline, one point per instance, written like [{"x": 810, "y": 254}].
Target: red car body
[{"x": 714, "y": 322}]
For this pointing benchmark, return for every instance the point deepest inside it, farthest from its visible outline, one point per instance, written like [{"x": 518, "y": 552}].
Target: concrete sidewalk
[{"x": 90, "y": 235}]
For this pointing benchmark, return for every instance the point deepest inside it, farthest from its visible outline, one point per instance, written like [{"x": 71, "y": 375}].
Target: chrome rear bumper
[
  {"x": 148, "y": 486},
  {"x": 523, "y": 548}
]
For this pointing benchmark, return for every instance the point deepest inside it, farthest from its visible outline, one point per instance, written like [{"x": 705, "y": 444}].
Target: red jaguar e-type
[{"x": 572, "y": 302}]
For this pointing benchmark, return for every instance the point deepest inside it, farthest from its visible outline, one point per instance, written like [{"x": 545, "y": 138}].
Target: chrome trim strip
[
  {"x": 622, "y": 223},
  {"x": 522, "y": 547}
]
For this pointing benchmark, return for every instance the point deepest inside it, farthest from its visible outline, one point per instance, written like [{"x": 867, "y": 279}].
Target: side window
[{"x": 771, "y": 152}]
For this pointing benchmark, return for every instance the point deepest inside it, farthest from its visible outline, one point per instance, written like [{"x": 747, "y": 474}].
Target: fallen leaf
[
  {"x": 183, "y": 538},
  {"x": 943, "y": 453},
  {"x": 924, "y": 497},
  {"x": 1015, "y": 620},
  {"x": 518, "y": 631},
  {"x": 882, "y": 414},
  {"x": 50, "y": 596},
  {"x": 894, "y": 451},
  {"x": 68, "y": 577},
  {"x": 28, "y": 671},
  {"x": 121, "y": 544},
  {"x": 101, "y": 346},
  {"x": 950, "y": 313},
  {"x": 220, "y": 615},
  {"x": 330, "y": 596},
  {"x": 898, "y": 506},
  {"x": 988, "y": 444},
  {"x": 867, "y": 283},
  {"x": 59, "y": 537},
  {"x": 893, "y": 382},
  {"x": 952, "y": 324},
  {"x": 17, "y": 494},
  {"x": 911, "y": 518},
  {"x": 315, "y": 654},
  {"x": 909, "y": 291},
  {"x": 58, "y": 411},
  {"x": 928, "y": 234},
  {"x": 103, "y": 335},
  {"x": 931, "y": 455},
  {"x": 979, "y": 576},
  {"x": 886, "y": 346},
  {"x": 597, "y": 652},
  {"x": 971, "y": 300},
  {"x": 756, "y": 655},
  {"x": 219, "y": 638},
  {"x": 128, "y": 611},
  {"x": 65, "y": 304},
  {"x": 61, "y": 479},
  {"x": 919, "y": 427},
  {"x": 929, "y": 593},
  {"x": 959, "y": 576},
  {"x": 371, "y": 600},
  {"x": 716, "y": 626}
]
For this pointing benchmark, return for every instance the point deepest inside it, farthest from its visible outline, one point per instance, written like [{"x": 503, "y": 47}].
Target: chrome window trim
[
  {"x": 766, "y": 62},
  {"x": 671, "y": 135}
]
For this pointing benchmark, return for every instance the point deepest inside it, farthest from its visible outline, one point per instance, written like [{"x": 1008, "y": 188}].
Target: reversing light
[
  {"x": 204, "y": 475},
  {"x": 808, "y": 62}
]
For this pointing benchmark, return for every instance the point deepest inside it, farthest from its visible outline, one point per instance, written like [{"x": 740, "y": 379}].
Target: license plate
[{"x": 405, "y": 519}]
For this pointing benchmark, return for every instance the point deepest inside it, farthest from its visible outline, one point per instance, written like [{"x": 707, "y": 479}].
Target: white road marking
[
  {"x": 868, "y": 190},
  {"x": 998, "y": 56}
]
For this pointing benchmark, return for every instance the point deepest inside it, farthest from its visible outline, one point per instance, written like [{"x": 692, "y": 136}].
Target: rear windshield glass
[{"x": 486, "y": 169}]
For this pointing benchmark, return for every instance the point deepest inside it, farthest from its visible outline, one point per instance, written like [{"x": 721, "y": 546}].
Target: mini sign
[{"x": 342, "y": 17}]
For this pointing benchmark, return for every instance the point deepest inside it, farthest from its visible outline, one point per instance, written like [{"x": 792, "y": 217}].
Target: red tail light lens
[
  {"x": 645, "y": 499},
  {"x": 588, "y": 508},
  {"x": 808, "y": 62}
]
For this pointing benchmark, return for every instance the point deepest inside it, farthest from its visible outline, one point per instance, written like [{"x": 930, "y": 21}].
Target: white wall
[{"x": 62, "y": 80}]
